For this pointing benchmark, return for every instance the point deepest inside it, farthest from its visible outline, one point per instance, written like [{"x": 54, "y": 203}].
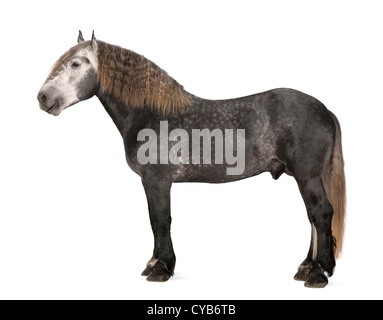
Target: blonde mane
[{"x": 137, "y": 81}]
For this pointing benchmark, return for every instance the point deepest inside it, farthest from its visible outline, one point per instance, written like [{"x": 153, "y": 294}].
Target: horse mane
[{"x": 137, "y": 81}]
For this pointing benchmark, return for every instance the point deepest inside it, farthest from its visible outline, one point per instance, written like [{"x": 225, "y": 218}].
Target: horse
[{"x": 278, "y": 131}]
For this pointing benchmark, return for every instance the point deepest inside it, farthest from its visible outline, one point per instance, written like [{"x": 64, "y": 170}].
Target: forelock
[{"x": 67, "y": 56}]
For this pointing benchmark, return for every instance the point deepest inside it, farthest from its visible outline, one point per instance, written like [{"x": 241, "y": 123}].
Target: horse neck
[{"x": 117, "y": 110}]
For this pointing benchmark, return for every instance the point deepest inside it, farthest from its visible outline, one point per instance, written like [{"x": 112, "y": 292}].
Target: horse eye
[{"x": 75, "y": 65}]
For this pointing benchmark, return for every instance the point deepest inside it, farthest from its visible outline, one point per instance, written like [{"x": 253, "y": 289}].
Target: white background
[{"x": 73, "y": 216}]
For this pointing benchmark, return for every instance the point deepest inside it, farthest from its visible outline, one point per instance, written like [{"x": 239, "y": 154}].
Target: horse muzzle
[{"x": 48, "y": 103}]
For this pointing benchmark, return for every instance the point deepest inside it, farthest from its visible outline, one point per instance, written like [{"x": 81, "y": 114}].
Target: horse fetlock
[
  {"x": 327, "y": 264},
  {"x": 329, "y": 268}
]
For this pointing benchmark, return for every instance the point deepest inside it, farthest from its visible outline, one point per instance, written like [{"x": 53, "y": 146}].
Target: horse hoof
[
  {"x": 146, "y": 272},
  {"x": 302, "y": 275},
  {"x": 316, "y": 280},
  {"x": 159, "y": 274},
  {"x": 157, "y": 277},
  {"x": 149, "y": 267},
  {"x": 303, "y": 271}
]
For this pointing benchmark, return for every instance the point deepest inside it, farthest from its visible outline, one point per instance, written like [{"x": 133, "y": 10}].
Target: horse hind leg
[{"x": 321, "y": 254}]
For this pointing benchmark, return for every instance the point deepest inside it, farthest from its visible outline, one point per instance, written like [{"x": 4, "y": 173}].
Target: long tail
[{"x": 335, "y": 186}]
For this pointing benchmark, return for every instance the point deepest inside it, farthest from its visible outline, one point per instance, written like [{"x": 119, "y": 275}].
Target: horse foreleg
[{"x": 161, "y": 265}]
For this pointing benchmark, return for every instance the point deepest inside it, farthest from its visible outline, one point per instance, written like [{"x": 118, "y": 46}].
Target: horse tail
[{"x": 335, "y": 186}]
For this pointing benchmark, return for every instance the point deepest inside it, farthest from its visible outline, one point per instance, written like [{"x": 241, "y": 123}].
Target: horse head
[{"x": 72, "y": 79}]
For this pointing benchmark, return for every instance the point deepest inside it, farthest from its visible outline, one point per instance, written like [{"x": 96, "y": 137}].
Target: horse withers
[{"x": 173, "y": 136}]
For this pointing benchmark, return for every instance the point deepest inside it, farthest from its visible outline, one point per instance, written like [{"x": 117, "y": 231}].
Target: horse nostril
[{"x": 42, "y": 97}]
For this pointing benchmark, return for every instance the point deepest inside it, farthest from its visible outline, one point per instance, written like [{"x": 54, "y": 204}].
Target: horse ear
[
  {"x": 93, "y": 42},
  {"x": 80, "y": 37}
]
